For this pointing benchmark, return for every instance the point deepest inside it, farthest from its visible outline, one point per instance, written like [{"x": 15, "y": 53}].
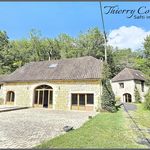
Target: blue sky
[{"x": 53, "y": 18}]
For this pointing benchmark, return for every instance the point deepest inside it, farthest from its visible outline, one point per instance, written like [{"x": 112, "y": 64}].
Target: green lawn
[
  {"x": 106, "y": 130},
  {"x": 142, "y": 116}
]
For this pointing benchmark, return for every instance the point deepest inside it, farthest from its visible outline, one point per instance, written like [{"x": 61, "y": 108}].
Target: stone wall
[
  {"x": 142, "y": 93},
  {"x": 1, "y": 95},
  {"x": 129, "y": 87},
  {"x": 24, "y": 92}
]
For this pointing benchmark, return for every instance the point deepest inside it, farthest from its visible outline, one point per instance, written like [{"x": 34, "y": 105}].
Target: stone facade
[
  {"x": 1, "y": 94},
  {"x": 128, "y": 88},
  {"x": 62, "y": 90}
]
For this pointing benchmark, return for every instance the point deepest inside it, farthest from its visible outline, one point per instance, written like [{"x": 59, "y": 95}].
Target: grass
[
  {"x": 142, "y": 116},
  {"x": 106, "y": 130}
]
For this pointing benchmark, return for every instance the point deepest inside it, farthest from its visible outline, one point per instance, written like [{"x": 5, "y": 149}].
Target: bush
[
  {"x": 147, "y": 100},
  {"x": 137, "y": 95},
  {"x": 117, "y": 98}
]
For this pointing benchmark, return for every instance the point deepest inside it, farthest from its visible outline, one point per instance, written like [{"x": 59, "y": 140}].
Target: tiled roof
[
  {"x": 129, "y": 74},
  {"x": 2, "y": 78},
  {"x": 80, "y": 68}
]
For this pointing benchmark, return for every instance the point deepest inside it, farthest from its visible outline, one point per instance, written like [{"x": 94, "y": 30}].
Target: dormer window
[{"x": 121, "y": 85}]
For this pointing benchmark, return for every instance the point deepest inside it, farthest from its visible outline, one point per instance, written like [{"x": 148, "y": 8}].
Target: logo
[{"x": 143, "y": 12}]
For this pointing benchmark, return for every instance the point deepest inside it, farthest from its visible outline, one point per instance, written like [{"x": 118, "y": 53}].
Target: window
[
  {"x": 43, "y": 96},
  {"x": 74, "y": 99},
  {"x": 81, "y": 99},
  {"x": 142, "y": 86},
  {"x": 36, "y": 97},
  {"x": 41, "y": 93},
  {"x": 121, "y": 85},
  {"x": 90, "y": 99},
  {"x": 10, "y": 96},
  {"x": 51, "y": 97}
]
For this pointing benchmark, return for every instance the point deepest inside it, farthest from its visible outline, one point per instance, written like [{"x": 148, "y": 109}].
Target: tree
[
  {"x": 36, "y": 46},
  {"x": 51, "y": 49},
  {"x": 137, "y": 95},
  {"x": 91, "y": 43},
  {"x": 147, "y": 55},
  {"x": 20, "y": 52},
  {"x": 147, "y": 47},
  {"x": 108, "y": 96},
  {"x": 68, "y": 46},
  {"x": 147, "y": 100},
  {"x": 123, "y": 58},
  {"x": 4, "y": 46}
]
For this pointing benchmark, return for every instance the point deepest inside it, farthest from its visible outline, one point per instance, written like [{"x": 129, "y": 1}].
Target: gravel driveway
[
  {"x": 28, "y": 127},
  {"x": 130, "y": 107}
]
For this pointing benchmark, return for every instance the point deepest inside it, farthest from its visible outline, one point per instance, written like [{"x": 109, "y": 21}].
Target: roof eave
[{"x": 14, "y": 81}]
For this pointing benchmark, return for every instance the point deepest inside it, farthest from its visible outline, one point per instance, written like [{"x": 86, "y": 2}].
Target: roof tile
[{"x": 80, "y": 68}]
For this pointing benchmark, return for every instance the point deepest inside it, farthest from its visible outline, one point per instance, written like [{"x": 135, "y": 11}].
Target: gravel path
[
  {"x": 28, "y": 127},
  {"x": 130, "y": 106}
]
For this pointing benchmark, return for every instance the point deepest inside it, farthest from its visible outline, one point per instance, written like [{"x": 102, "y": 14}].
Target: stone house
[
  {"x": 67, "y": 84},
  {"x": 123, "y": 85}
]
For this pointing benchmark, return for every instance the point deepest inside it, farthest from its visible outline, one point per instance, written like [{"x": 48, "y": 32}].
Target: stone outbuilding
[
  {"x": 67, "y": 84},
  {"x": 124, "y": 83}
]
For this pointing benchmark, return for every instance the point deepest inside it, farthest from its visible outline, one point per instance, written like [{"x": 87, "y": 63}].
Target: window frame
[
  {"x": 85, "y": 99},
  {"x": 10, "y": 97},
  {"x": 121, "y": 85}
]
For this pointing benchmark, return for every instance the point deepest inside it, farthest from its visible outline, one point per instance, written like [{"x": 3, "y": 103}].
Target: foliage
[
  {"x": 142, "y": 62},
  {"x": 147, "y": 100},
  {"x": 137, "y": 95},
  {"x": 123, "y": 58},
  {"x": 4, "y": 46},
  {"x": 118, "y": 98},
  {"x": 108, "y": 97},
  {"x": 91, "y": 43}
]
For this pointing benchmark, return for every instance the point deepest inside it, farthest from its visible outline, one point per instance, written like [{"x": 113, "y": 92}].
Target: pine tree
[
  {"x": 137, "y": 95},
  {"x": 108, "y": 96}
]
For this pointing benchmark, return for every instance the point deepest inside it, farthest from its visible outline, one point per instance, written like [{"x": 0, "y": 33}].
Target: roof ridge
[{"x": 62, "y": 59}]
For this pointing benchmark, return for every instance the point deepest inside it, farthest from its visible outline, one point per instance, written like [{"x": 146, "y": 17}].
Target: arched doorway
[
  {"x": 43, "y": 96},
  {"x": 10, "y": 97},
  {"x": 127, "y": 98}
]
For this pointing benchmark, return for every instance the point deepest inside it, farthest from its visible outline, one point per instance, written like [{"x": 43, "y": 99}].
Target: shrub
[
  {"x": 147, "y": 100},
  {"x": 117, "y": 98},
  {"x": 137, "y": 95}
]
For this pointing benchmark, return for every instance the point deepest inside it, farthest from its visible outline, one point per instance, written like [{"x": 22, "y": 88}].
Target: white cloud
[{"x": 127, "y": 37}]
